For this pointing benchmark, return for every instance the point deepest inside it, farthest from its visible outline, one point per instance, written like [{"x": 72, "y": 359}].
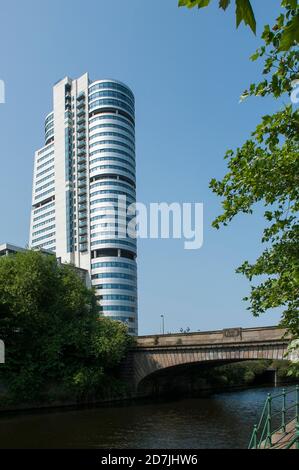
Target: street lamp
[{"x": 162, "y": 316}]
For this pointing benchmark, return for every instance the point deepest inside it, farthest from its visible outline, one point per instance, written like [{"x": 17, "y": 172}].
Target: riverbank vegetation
[
  {"x": 197, "y": 380},
  {"x": 57, "y": 348},
  {"x": 248, "y": 373}
]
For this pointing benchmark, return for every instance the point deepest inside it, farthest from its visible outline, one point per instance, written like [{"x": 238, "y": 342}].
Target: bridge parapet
[{"x": 226, "y": 336}]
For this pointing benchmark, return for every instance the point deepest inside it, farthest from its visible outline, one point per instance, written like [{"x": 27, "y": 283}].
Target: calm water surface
[{"x": 223, "y": 420}]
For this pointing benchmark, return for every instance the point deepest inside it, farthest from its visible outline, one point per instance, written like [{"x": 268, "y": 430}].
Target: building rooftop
[{"x": 8, "y": 249}]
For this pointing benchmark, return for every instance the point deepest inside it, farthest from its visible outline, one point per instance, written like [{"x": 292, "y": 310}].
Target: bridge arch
[
  {"x": 149, "y": 363},
  {"x": 161, "y": 352}
]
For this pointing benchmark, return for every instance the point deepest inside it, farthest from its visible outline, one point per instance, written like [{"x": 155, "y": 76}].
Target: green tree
[
  {"x": 52, "y": 332},
  {"x": 265, "y": 170}
]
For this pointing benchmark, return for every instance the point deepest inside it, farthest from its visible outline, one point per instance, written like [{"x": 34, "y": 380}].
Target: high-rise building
[{"x": 85, "y": 168}]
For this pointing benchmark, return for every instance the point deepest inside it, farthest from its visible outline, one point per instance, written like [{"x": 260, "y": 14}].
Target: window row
[
  {"x": 112, "y": 167},
  {"x": 113, "y": 86},
  {"x": 116, "y": 234},
  {"x": 112, "y": 134},
  {"x": 130, "y": 277},
  {"x": 115, "y": 286},
  {"x": 50, "y": 245},
  {"x": 44, "y": 179},
  {"x": 46, "y": 214},
  {"x": 121, "y": 222},
  {"x": 49, "y": 133},
  {"x": 114, "y": 226},
  {"x": 117, "y": 308},
  {"x": 108, "y": 214},
  {"x": 49, "y": 235},
  {"x": 112, "y": 142},
  {"x": 113, "y": 126},
  {"x": 113, "y": 264},
  {"x": 44, "y": 164},
  {"x": 111, "y": 102},
  {"x": 46, "y": 193},
  {"x": 105, "y": 233},
  {"x": 38, "y": 175},
  {"x": 111, "y": 210},
  {"x": 112, "y": 191},
  {"x": 110, "y": 94},
  {"x": 112, "y": 150},
  {"x": 38, "y": 232},
  {"x": 41, "y": 188},
  {"x": 45, "y": 222},
  {"x": 49, "y": 118},
  {"x": 47, "y": 155},
  {"x": 108, "y": 199},
  {"x": 49, "y": 125},
  {"x": 112, "y": 183},
  {"x": 128, "y": 298},
  {"x": 114, "y": 242},
  {"x": 115, "y": 117},
  {"x": 45, "y": 149},
  {"x": 113, "y": 159},
  {"x": 44, "y": 208}
]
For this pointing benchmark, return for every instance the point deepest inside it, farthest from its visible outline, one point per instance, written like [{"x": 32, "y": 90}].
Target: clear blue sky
[{"x": 187, "y": 70}]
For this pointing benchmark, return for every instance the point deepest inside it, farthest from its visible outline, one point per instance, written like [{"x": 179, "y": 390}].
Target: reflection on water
[{"x": 223, "y": 420}]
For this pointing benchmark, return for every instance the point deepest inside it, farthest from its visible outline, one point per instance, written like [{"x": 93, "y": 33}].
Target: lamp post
[{"x": 162, "y": 316}]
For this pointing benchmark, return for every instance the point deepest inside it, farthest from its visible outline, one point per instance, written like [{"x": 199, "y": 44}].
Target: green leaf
[
  {"x": 244, "y": 10},
  {"x": 292, "y": 3},
  {"x": 245, "y": 13},
  {"x": 194, "y": 3},
  {"x": 203, "y": 3},
  {"x": 224, "y": 4},
  {"x": 255, "y": 56},
  {"x": 290, "y": 34}
]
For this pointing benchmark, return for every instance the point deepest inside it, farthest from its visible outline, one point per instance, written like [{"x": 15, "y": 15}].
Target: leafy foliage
[
  {"x": 244, "y": 12},
  {"x": 240, "y": 374},
  {"x": 265, "y": 170},
  {"x": 52, "y": 333}
]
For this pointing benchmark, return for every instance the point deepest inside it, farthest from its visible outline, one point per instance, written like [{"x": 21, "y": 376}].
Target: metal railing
[
  {"x": 295, "y": 440},
  {"x": 274, "y": 421}
]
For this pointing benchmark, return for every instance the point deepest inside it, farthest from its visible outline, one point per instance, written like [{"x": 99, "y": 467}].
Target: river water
[{"x": 221, "y": 420}]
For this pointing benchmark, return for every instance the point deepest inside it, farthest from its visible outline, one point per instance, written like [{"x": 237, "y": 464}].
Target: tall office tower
[{"x": 85, "y": 168}]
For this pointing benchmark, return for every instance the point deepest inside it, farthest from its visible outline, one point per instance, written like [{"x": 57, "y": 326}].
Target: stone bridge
[{"x": 153, "y": 354}]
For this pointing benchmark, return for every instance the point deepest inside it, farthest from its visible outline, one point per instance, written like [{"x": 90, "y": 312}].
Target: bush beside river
[
  {"x": 246, "y": 373},
  {"x": 196, "y": 379},
  {"x": 57, "y": 349}
]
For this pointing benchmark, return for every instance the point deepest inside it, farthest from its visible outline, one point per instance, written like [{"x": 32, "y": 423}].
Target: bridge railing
[{"x": 279, "y": 411}]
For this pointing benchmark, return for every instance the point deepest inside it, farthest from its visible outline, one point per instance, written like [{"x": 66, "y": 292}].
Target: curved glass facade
[{"x": 112, "y": 173}]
